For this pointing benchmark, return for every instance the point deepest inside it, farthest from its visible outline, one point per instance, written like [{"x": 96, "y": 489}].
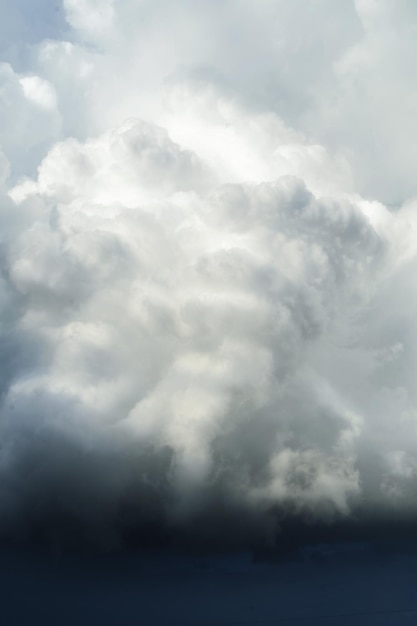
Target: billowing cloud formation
[{"x": 207, "y": 299}]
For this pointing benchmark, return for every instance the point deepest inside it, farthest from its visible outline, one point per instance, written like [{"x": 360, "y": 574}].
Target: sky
[{"x": 208, "y": 251}]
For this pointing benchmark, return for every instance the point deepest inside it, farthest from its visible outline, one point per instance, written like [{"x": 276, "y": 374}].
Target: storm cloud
[{"x": 208, "y": 251}]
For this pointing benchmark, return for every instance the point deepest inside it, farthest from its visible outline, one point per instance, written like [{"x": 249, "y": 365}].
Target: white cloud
[{"x": 93, "y": 18}]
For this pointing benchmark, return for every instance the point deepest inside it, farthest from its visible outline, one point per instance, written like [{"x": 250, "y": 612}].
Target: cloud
[
  {"x": 207, "y": 308},
  {"x": 31, "y": 122}
]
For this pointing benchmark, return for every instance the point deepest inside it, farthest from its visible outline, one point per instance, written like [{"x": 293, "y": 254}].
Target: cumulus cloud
[{"x": 207, "y": 301}]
